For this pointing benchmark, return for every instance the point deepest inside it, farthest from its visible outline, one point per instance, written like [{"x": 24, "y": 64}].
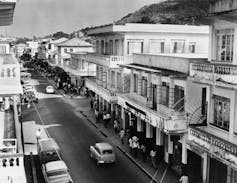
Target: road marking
[{"x": 161, "y": 180}]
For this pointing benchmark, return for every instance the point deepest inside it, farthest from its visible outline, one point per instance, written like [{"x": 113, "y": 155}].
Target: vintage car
[
  {"x": 49, "y": 89},
  {"x": 102, "y": 152},
  {"x": 56, "y": 172}
]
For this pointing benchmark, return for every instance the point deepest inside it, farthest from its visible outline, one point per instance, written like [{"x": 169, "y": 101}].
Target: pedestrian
[
  {"x": 130, "y": 144},
  {"x": 153, "y": 158},
  {"x": 143, "y": 150},
  {"x": 107, "y": 119},
  {"x": 38, "y": 133},
  {"x": 135, "y": 146},
  {"x": 184, "y": 179},
  {"x": 91, "y": 103},
  {"x": 96, "y": 116},
  {"x": 115, "y": 125},
  {"x": 121, "y": 135}
]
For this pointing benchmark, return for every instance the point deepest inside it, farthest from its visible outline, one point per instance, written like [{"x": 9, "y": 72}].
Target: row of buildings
[
  {"x": 174, "y": 86},
  {"x": 11, "y": 148}
]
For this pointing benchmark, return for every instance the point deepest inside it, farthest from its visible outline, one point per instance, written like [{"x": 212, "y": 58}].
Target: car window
[
  {"x": 97, "y": 149},
  {"x": 58, "y": 172},
  {"x": 108, "y": 151}
]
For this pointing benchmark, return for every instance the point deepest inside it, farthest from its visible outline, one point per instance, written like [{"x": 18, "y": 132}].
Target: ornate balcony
[
  {"x": 105, "y": 93},
  {"x": 213, "y": 145},
  {"x": 211, "y": 71},
  {"x": 110, "y": 61}
]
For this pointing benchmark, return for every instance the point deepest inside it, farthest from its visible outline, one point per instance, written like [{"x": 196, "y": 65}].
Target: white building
[{"x": 33, "y": 47}]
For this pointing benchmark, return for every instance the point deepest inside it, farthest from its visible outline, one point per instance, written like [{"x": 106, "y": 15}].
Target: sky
[{"x": 43, "y": 17}]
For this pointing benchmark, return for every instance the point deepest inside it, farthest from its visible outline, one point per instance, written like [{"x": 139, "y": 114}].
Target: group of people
[{"x": 102, "y": 116}]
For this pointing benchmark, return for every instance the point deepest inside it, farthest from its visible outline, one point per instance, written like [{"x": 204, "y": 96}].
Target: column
[
  {"x": 184, "y": 153},
  {"x": 130, "y": 119},
  {"x": 132, "y": 81},
  {"x": 123, "y": 117},
  {"x": 149, "y": 86},
  {"x": 139, "y": 124},
  {"x": 140, "y": 83},
  {"x": 205, "y": 168},
  {"x": 159, "y": 85},
  {"x": 149, "y": 131},
  {"x": 159, "y": 137},
  {"x": 171, "y": 92},
  {"x": 122, "y": 80}
]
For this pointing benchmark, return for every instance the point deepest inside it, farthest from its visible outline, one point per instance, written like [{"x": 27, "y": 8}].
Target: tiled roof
[{"x": 75, "y": 42}]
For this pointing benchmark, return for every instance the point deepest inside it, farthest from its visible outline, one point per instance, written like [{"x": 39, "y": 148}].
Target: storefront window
[{"x": 221, "y": 112}]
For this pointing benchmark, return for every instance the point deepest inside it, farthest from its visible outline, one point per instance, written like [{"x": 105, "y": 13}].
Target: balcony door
[{"x": 154, "y": 97}]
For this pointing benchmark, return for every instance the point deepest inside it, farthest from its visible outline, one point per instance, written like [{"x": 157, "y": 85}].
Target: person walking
[
  {"x": 115, "y": 125},
  {"x": 121, "y": 135},
  {"x": 130, "y": 141},
  {"x": 96, "y": 116},
  {"x": 153, "y": 158},
  {"x": 143, "y": 150},
  {"x": 184, "y": 179}
]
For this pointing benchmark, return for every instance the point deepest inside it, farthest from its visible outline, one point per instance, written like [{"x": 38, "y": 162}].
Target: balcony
[
  {"x": 110, "y": 61},
  {"x": 206, "y": 142},
  {"x": 104, "y": 93},
  {"x": 78, "y": 72},
  {"x": 222, "y": 6},
  {"x": 211, "y": 72}
]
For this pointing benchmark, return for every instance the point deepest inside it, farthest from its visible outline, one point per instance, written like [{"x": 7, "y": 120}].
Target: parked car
[
  {"x": 49, "y": 89},
  {"x": 56, "y": 172},
  {"x": 102, "y": 152},
  {"x": 48, "y": 150}
]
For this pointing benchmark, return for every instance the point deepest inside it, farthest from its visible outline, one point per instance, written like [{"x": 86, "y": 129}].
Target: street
[{"x": 64, "y": 122}]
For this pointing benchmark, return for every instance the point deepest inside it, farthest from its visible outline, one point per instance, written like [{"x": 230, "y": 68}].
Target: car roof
[
  {"x": 48, "y": 144},
  {"x": 50, "y": 86},
  {"x": 55, "y": 165},
  {"x": 103, "y": 146}
]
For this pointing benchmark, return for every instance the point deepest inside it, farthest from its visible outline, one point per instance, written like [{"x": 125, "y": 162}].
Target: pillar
[
  {"x": 205, "y": 168},
  {"x": 130, "y": 119},
  {"x": 123, "y": 117},
  {"x": 171, "y": 92},
  {"x": 139, "y": 83},
  {"x": 139, "y": 124},
  {"x": 159, "y": 137},
  {"x": 158, "y": 84},
  {"x": 132, "y": 81},
  {"x": 184, "y": 153},
  {"x": 149, "y": 91},
  {"x": 149, "y": 130}
]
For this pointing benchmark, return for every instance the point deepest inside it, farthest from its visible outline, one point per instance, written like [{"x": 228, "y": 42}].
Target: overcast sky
[{"x": 43, "y": 17}]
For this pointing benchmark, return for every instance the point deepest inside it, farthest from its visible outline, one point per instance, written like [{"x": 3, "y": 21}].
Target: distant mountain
[{"x": 169, "y": 12}]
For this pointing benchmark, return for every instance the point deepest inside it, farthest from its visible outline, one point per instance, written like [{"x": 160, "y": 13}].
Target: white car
[
  {"x": 49, "y": 89},
  {"x": 102, "y": 152},
  {"x": 56, "y": 172}
]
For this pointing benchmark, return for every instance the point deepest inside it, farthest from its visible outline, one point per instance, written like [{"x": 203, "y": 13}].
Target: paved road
[{"x": 74, "y": 134}]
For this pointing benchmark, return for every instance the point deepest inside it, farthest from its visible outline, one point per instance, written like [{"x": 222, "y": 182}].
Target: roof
[
  {"x": 150, "y": 28},
  {"x": 7, "y": 59},
  {"x": 104, "y": 146},
  {"x": 48, "y": 144},
  {"x": 55, "y": 165},
  {"x": 60, "y": 40},
  {"x": 75, "y": 42}
]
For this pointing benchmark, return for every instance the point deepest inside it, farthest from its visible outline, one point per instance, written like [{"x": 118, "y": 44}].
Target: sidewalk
[{"x": 162, "y": 175}]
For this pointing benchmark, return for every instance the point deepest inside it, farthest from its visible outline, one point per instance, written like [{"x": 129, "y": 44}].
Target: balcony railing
[
  {"x": 213, "y": 144},
  {"x": 111, "y": 61},
  {"x": 214, "y": 68}
]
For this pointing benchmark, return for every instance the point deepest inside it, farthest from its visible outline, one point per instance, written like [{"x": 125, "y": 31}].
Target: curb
[{"x": 137, "y": 164}]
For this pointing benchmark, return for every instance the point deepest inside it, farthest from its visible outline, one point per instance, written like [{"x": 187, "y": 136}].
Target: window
[
  {"x": 165, "y": 94},
  {"x": 112, "y": 79},
  {"x": 221, "y": 112},
  {"x": 157, "y": 46},
  {"x": 65, "y": 50},
  {"x": 192, "y": 47},
  {"x": 178, "y": 46},
  {"x": 111, "y": 47},
  {"x": 134, "y": 46},
  {"x": 178, "y": 98},
  {"x": 49, "y": 47},
  {"x": 116, "y": 45},
  {"x": 3, "y": 49},
  {"x": 71, "y": 49},
  {"x": 224, "y": 45}
]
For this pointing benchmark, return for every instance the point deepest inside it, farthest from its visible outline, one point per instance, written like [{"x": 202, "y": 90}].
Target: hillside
[{"x": 172, "y": 12}]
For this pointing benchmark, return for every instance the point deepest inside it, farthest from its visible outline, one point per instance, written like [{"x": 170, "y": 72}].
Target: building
[
  {"x": 211, "y": 139},
  {"x": 19, "y": 49},
  {"x": 32, "y": 48},
  {"x": 11, "y": 152}
]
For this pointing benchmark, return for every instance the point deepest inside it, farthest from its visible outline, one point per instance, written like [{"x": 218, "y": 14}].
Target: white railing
[{"x": 111, "y": 61}]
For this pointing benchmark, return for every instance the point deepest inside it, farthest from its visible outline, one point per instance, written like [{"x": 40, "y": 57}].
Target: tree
[{"x": 60, "y": 34}]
